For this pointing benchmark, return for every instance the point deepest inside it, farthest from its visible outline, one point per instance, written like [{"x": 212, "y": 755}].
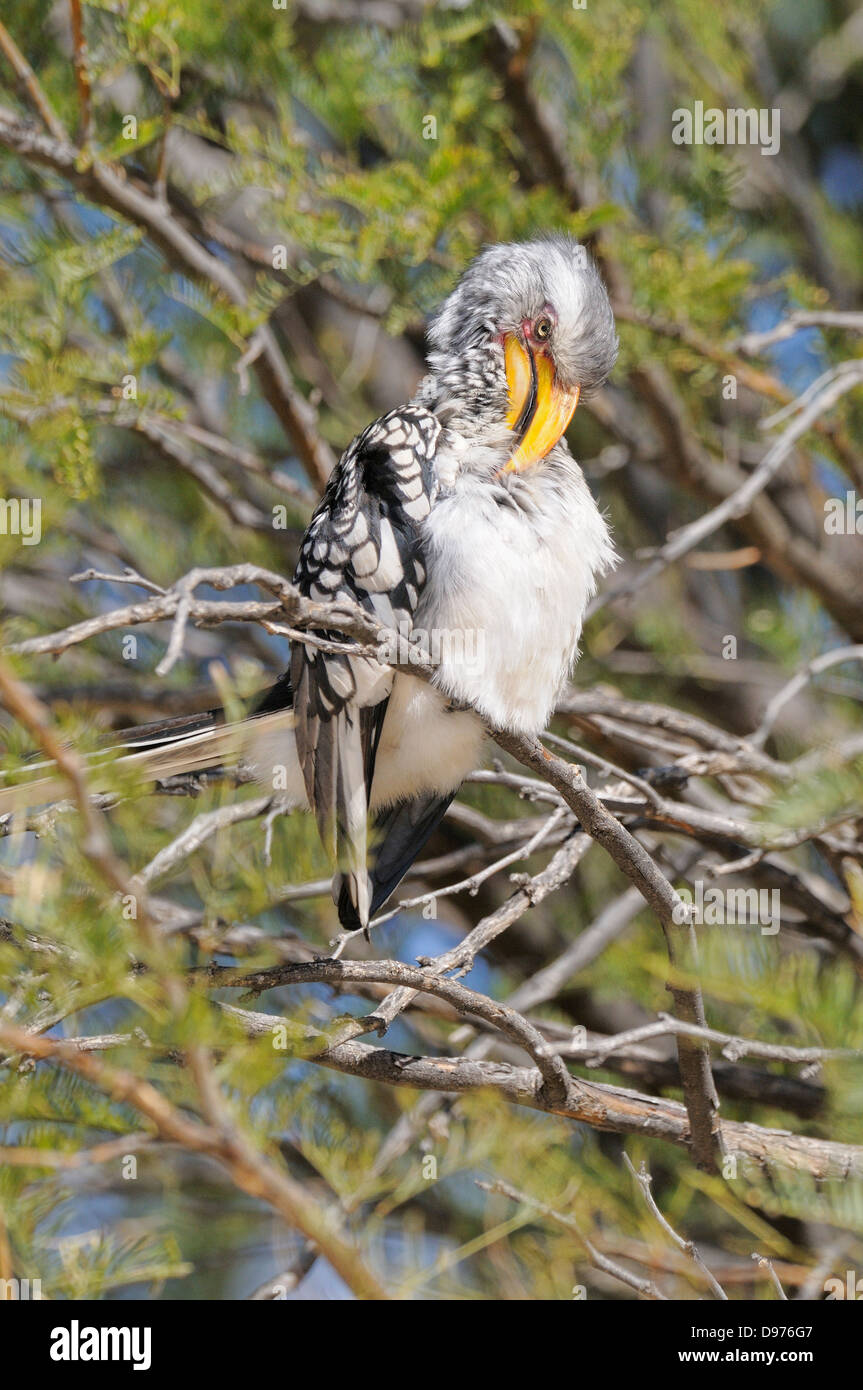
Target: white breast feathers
[{"x": 511, "y": 569}]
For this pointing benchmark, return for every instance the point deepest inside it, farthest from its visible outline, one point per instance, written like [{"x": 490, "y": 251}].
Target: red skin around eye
[
  {"x": 528, "y": 326},
  {"x": 528, "y": 329}
]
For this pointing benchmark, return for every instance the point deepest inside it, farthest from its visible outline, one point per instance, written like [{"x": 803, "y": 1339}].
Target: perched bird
[{"x": 463, "y": 516}]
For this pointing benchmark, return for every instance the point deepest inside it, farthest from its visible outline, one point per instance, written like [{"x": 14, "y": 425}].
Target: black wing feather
[
  {"x": 363, "y": 543},
  {"x": 401, "y": 831}
]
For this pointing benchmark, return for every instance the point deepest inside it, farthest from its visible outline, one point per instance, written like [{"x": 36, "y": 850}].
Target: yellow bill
[{"x": 540, "y": 408}]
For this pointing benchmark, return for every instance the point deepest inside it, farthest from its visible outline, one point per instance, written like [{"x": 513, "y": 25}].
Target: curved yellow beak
[{"x": 539, "y": 408}]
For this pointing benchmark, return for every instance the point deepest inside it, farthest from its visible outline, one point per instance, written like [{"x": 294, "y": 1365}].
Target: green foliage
[{"x": 382, "y": 160}]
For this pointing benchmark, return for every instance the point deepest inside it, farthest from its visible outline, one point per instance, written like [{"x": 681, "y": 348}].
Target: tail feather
[
  {"x": 341, "y": 773},
  {"x": 158, "y": 751},
  {"x": 401, "y": 833},
  {"x": 166, "y": 730}
]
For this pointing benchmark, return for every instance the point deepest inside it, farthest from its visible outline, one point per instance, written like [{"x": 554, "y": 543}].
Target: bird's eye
[{"x": 542, "y": 328}]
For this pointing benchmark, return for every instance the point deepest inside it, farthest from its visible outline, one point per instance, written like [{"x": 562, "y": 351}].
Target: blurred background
[{"x": 339, "y": 163}]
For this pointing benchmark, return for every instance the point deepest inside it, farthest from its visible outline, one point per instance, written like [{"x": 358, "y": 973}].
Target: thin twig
[
  {"x": 646, "y": 1287},
  {"x": 689, "y": 1248}
]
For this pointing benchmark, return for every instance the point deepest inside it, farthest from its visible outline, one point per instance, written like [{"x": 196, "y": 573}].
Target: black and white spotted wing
[{"x": 363, "y": 543}]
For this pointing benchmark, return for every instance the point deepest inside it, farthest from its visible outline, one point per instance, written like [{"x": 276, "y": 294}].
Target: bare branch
[
  {"x": 837, "y": 657},
  {"x": 644, "y": 1180},
  {"x": 753, "y": 344},
  {"x": 82, "y": 77},
  {"x": 31, "y": 85},
  {"x": 633, "y": 1281}
]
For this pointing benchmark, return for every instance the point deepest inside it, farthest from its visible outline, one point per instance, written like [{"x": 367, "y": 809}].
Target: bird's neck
[{"x": 473, "y": 415}]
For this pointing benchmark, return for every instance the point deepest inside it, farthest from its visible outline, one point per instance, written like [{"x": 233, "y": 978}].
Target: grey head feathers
[{"x": 502, "y": 288}]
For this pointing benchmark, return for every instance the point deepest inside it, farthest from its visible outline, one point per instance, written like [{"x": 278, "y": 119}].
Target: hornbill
[{"x": 463, "y": 515}]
